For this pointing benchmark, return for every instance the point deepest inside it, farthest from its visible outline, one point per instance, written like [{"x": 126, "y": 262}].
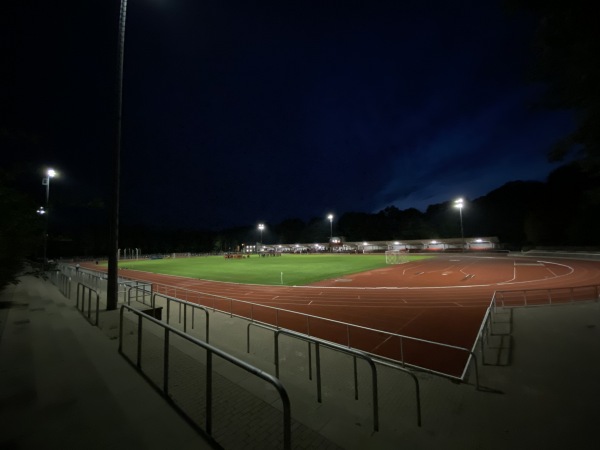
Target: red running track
[{"x": 442, "y": 299}]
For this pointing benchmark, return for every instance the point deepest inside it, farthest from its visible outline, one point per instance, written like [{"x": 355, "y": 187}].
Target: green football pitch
[{"x": 289, "y": 270}]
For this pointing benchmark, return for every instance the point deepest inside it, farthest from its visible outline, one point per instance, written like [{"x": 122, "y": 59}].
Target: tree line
[{"x": 561, "y": 211}]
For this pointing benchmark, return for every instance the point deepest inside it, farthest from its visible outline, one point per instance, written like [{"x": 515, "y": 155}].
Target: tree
[
  {"x": 21, "y": 232},
  {"x": 290, "y": 231},
  {"x": 567, "y": 43}
]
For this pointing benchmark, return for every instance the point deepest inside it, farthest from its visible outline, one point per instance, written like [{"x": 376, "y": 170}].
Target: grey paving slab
[{"x": 62, "y": 383}]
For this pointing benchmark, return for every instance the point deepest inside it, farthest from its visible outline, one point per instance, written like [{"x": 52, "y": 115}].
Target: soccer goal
[{"x": 396, "y": 257}]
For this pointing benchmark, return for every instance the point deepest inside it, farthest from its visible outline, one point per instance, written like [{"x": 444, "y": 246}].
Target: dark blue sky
[{"x": 240, "y": 112}]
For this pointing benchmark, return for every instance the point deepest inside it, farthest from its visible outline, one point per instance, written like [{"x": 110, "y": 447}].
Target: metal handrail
[
  {"x": 139, "y": 286},
  {"x": 486, "y": 317},
  {"x": 347, "y": 325},
  {"x": 378, "y": 360},
  {"x": 337, "y": 347},
  {"x": 308, "y": 316},
  {"x": 62, "y": 281},
  {"x": 392, "y": 365},
  {"x": 180, "y": 302},
  {"x": 471, "y": 352},
  {"x": 185, "y": 304},
  {"x": 527, "y": 302},
  {"x": 210, "y": 351},
  {"x": 498, "y": 297},
  {"x": 83, "y": 289}
]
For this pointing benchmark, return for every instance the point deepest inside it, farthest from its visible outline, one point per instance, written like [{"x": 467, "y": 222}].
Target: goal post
[{"x": 395, "y": 257}]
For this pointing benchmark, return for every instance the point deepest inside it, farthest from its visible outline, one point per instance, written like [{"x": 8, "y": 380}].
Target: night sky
[{"x": 240, "y": 112}]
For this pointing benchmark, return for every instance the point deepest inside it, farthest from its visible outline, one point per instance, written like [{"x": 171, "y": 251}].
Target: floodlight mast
[
  {"x": 261, "y": 227},
  {"x": 459, "y": 203},
  {"x": 50, "y": 173},
  {"x": 113, "y": 244}
]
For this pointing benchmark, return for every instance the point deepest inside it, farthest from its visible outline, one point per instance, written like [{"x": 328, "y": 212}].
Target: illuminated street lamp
[
  {"x": 50, "y": 173},
  {"x": 330, "y": 217},
  {"x": 459, "y": 203},
  {"x": 261, "y": 227}
]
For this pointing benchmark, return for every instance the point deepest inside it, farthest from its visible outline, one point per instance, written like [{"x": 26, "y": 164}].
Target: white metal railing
[
  {"x": 543, "y": 297},
  {"x": 442, "y": 359},
  {"x": 529, "y": 298},
  {"x": 209, "y": 369},
  {"x": 406, "y": 350}
]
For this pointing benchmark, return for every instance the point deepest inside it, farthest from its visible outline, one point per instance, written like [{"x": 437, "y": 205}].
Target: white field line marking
[
  {"x": 382, "y": 342},
  {"x": 514, "y": 273},
  {"x": 571, "y": 270},
  {"x": 559, "y": 264},
  {"x": 398, "y": 330},
  {"x": 538, "y": 264},
  {"x": 388, "y": 306}
]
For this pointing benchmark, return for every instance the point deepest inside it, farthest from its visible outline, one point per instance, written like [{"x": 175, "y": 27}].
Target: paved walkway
[{"x": 63, "y": 383}]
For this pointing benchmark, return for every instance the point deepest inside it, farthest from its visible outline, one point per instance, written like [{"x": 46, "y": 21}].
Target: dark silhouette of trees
[
  {"x": 290, "y": 231},
  {"x": 567, "y": 45},
  {"x": 505, "y": 211},
  {"x": 563, "y": 211},
  {"x": 21, "y": 231}
]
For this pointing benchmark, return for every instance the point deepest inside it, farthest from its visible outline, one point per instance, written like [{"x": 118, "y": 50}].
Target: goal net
[{"x": 396, "y": 257}]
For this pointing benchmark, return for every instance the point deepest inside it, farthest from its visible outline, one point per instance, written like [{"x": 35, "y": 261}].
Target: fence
[
  {"x": 354, "y": 353},
  {"x": 442, "y": 359},
  {"x": 62, "y": 281},
  {"x": 182, "y": 313},
  {"x": 82, "y": 290},
  {"x": 98, "y": 281},
  {"x": 439, "y": 358},
  {"x": 208, "y": 374},
  {"x": 159, "y": 301},
  {"x": 543, "y": 297},
  {"x": 496, "y": 324}
]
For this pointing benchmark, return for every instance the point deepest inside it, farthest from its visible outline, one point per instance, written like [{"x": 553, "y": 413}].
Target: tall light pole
[
  {"x": 261, "y": 227},
  {"x": 50, "y": 173},
  {"x": 113, "y": 237},
  {"x": 459, "y": 203},
  {"x": 330, "y": 217}
]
